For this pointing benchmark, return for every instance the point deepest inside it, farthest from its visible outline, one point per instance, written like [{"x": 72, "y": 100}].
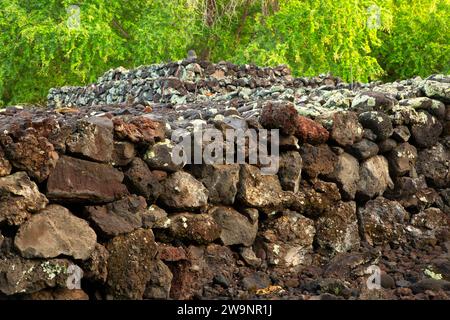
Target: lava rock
[
  {"x": 345, "y": 130},
  {"x": 364, "y": 149},
  {"x": 123, "y": 153},
  {"x": 346, "y": 175},
  {"x": 121, "y": 216},
  {"x": 76, "y": 180},
  {"x": 198, "y": 228},
  {"x": 20, "y": 197},
  {"x": 318, "y": 160},
  {"x": 183, "y": 192},
  {"x": 142, "y": 181},
  {"x": 235, "y": 227},
  {"x": 378, "y": 122},
  {"x": 160, "y": 282},
  {"x": 290, "y": 170},
  {"x": 426, "y": 134},
  {"x": 159, "y": 157},
  {"x": 434, "y": 164},
  {"x": 55, "y": 231},
  {"x": 373, "y": 100},
  {"x": 374, "y": 177}
]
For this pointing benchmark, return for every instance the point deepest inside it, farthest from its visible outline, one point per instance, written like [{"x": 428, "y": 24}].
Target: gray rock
[
  {"x": 183, "y": 192},
  {"x": 426, "y": 134},
  {"x": 364, "y": 149},
  {"x": 346, "y": 175},
  {"x": 401, "y": 134},
  {"x": 142, "y": 181},
  {"x": 434, "y": 164},
  {"x": 437, "y": 90},
  {"x": 159, "y": 157},
  {"x": 290, "y": 170},
  {"x": 372, "y": 100},
  {"x": 374, "y": 177},
  {"x": 220, "y": 180},
  {"x": 155, "y": 217},
  {"x": 378, "y": 122},
  {"x": 53, "y": 232},
  {"x": 160, "y": 282},
  {"x": 383, "y": 221},
  {"x": 235, "y": 227}
]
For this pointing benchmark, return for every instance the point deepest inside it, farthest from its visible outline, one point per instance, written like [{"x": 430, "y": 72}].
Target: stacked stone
[{"x": 90, "y": 182}]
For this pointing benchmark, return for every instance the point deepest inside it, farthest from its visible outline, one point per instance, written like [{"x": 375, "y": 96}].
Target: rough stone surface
[
  {"x": 78, "y": 180},
  {"x": 160, "y": 282},
  {"x": 290, "y": 170},
  {"x": 19, "y": 197},
  {"x": 318, "y": 160},
  {"x": 235, "y": 227},
  {"x": 123, "y": 153},
  {"x": 183, "y": 192},
  {"x": 93, "y": 139},
  {"x": 434, "y": 164},
  {"x": 364, "y": 149},
  {"x": 346, "y": 175},
  {"x": 374, "y": 177},
  {"x": 159, "y": 157},
  {"x": 54, "y": 231},
  {"x": 197, "y": 228},
  {"x": 142, "y": 181},
  {"x": 426, "y": 134},
  {"x": 383, "y": 221},
  {"x": 121, "y": 216},
  {"x": 372, "y": 100},
  {"x": 402, "y": 159},
  {"x": 346, "y": 130},
  {"x": 131, "y": 257},
  {"x": 220, "y": 180},
  {"x": 378, "y": 122}
]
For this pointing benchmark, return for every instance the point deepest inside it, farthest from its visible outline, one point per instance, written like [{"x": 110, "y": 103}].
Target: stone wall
[{"x": 88, "y": 187}]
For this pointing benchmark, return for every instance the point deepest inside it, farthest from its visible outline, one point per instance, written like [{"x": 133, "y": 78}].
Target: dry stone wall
[{"x": 89, "y": 189}]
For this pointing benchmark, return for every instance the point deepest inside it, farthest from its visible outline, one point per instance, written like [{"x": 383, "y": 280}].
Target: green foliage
[{"x": 39, "y": 49}]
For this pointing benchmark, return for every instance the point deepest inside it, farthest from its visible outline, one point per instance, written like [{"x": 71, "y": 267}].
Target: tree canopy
[{"x": 47, "y": 43}]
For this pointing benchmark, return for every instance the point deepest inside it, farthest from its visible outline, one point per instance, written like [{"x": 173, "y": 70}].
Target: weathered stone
[
  {"x": 309, "y": 131},
  {"x": 159, "y": 157},
  {"x": 437, "y": 90},
  {"x": 337, "y": 229},
  {"x": 374, "y": 177},
  {"x": 346, "y": 175},
  {"x": 198, "y": 228},
  {"x": 170, "y": 253},
  {"x": 123, "y": 153},
  {"x": 76, "y": 180},
  {"x": 372, "y": 100},
  {"x": 250, "y": 257},
  {"x": 257, "y": 190},
  {"x": 434, "y": 107},
  {"x": 369, "y": 135},
  {"x": 402, "y": 159},
  {"x": 54, "y": 231},
  {"x": 31, "y": 275},
  {"x": 155, "y": 217},
  {"x": 288, "y": 239},
  {"x": 235, "y": 227},
  {"x": 58, "y": 294},
  {"x": 33, "y": 154},
  {"x": 431, "y": 218},
  {"x": 288, "y": 142},
  {"x": 346, "y": 130},
  {"x": 401, "y": 134},
  {"x": 387, "y": 145},
  {"x": 130, "y": 264},
  {"x": 284, "y": 116},
  {"x": 142, "y": 181},
  {"x": 220, "y": 180},
  {"x": 140, "y": 129},
  {"x": 93, "y": 139},
  {"x": 96, "y": 266},
  {"x": 5, "y": 165},
  {"x": 290, "y": 170},
  {"x": 434, "y": 164},
  {"x": 426, "y": 134},
  {"x": 364, "y": 149},
  {"x": 318, "y": 160},
  {"x": 383, "y": 221},
  {"x": 19, "y": 197},
  {"x": 378, "y": 122},
  {"x": 121, "y": 216},
  {"x": 183, "y": 192},
  {"x": 279, "y": 115},
  {"x": 160, "y": 282},
  {"x": 255, "y": 281}
]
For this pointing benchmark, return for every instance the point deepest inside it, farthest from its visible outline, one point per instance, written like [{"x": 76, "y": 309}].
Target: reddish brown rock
[
  {"x": 93, "y": 139},
  {"x": 139, "y": 129},
  {"x": 318, "y": 160},
  {"x": 121, "y": 216},
  {"x": 309, "y": 131},
  {"x": 33, "y": 154},
  {"x": 130, "y": 264},
  {"x": 142, "y": 181},
  {"x": 279, "y": 115},
  {"x": 78, "y": 180},
  {"x": 198, "y": 228},
  {"x": 171, "y": 253},
  {"x": 19, "y": 198}
]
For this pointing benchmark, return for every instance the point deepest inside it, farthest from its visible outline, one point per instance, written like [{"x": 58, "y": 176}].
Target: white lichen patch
[{"x": 52, "y": 270}]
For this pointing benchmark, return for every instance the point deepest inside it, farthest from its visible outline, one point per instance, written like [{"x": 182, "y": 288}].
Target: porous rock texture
[{"x": 89, "y": 184}]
